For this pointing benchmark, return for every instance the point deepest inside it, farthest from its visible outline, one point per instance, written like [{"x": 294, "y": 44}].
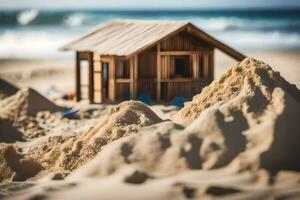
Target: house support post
[
  {"x": 91, "y": 77},
  {"x": 212, "y": 65},
  {"x": 206, "y": 67},
  {"x": 133, "y": 76},
  {"x": 158, "y": 74},
  {"x": 77, "y": 77},
  {"x": 112, "y": 80}
]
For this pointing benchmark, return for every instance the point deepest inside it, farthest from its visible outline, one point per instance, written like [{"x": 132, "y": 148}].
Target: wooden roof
[{"x": 128, "y": 37}]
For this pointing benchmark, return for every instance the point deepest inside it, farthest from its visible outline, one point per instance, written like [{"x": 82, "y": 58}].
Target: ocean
[{"x": 38, "y": 34}]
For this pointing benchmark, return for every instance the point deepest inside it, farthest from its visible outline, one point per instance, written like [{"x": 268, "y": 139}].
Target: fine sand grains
[
  {"x": 19, "y": 112},
  {"x": 62, "y": 154},
  {"x": 249, "y": 78},
  {"x": 26, "y": 102},
  {"x": 15, "y": 166},
  {"x": 243, "y": 130},
  {"x": 123, "y": 120},
  {"x": 230, "y": 141}
]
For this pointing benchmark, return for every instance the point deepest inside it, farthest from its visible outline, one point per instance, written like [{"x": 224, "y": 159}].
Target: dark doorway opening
[
  {"x": 182, "y": 67},
  {"x": 105, "y": 79},
  {"x": 179, "y": 66}
]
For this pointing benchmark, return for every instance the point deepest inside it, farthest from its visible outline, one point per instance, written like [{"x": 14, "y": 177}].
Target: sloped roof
[{"x": 127, "y": 37}]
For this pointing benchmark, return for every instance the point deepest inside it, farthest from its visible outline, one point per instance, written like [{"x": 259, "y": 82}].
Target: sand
[
  {"x": 17, "y": 114},
  {"x": 9, "y": 133},
  {"x": 7, "y": 89},
  {"x": 40, "y": 75},
  {"x": 237, "y": 139},
  {"x": 123, "y": 120}
]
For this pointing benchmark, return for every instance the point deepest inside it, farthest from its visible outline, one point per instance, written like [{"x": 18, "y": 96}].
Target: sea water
[{"x": 35, "y": 33}]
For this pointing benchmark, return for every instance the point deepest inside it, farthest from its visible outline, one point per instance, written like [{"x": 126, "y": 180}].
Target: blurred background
[{"x": 31, "y": 31}]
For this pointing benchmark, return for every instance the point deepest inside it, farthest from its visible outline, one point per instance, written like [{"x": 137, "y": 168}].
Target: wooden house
[{"x": 123, "y": 59}]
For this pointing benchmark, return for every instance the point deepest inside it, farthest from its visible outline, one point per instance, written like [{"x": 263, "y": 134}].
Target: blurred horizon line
[{"x": 294, "y": 8}]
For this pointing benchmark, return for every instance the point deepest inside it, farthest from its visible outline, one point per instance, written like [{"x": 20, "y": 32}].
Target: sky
[{"x": 146, "y": 4}]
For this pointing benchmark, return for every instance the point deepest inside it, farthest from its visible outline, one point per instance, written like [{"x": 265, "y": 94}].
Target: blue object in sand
[
  {"x": 126, "y": 95},
  {"x": 178, "y": 101},
  {"x": 70, "y": 113},
  {"x": 145, "y": 98}
]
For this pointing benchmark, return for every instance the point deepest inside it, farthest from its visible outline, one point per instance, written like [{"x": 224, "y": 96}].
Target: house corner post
[
  {"x": 77, "y": 77},
  {"x": 158, "y": 74},
  {"x": 91, "y": 77}
]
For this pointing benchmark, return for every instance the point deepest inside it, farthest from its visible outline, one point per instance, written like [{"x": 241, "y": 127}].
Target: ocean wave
[
  {"x": 209, "y": 21},
  {"x": 28, "y": 44},
  {"x": 42, "y": 18},
  {"x": 261, "y": 40},
  {"x": 219, "y": 23},
  {"x": 222, "y": 24},
  {"x": 42, "y": 44},
  {"x": 27, "y": 16},
  {"x": 75, "y": 19}
]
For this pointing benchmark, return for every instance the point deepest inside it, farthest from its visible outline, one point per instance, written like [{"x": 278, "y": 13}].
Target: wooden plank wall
[
  {"x": 98, "y": 97},
  {"x": 158, "y": 77},
  {"x": 122, "y": 91},
  {"x": 133, "y": 76},
  {"x": 126, "y": 86},
  {"x": 112, "y": 80},
  {"x": 122, "y": 72},
  {"x": 147, "y": 64},
  {"x": 201, "y": 67},
  {"x": 195, "y": 65},
  {"x": 152, "y": 71},
  {"x": 179, "y": 42}
]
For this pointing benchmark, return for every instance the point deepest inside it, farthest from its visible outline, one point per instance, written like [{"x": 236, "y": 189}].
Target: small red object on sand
[{"x": 71, "y": 95}]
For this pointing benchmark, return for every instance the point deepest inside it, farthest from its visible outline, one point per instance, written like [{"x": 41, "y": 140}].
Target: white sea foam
[
  {"x": 29, "y": 44},
  {"x": 244, "y": 24},
  {"x": 261, "y": 40},
  {"x": 75, "y": 19},
  {"x": 27, "y": 16},
  {"x": 219, "y": 23},
  {"x": 42, "y": 44}
]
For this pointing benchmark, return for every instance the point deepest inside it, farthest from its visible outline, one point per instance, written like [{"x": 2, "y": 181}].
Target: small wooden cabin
[{"x": 123, "y": 59}]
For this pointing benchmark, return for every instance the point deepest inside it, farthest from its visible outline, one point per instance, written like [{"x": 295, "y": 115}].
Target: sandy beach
[
  {"x": 154, "y": 100},
  {"x": 237, "y": 139},
  {"x": 43, "y": 75}
]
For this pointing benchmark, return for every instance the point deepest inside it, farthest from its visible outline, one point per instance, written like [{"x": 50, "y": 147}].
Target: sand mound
[
  {"x": 8, "y": 133},
  {"x": 7, "y": 89},
  {"x": 254, "y": 100},
  {"x": 26, "y": 102},
  {"x": 17, "y": 114},
  {"x": 123, "y": 120},
  {"x": 16, "y": 166},
  {"x": 253, "y": 126},
  {"x": 250, "y": 77},
  {"x": 235, "y": 132}
]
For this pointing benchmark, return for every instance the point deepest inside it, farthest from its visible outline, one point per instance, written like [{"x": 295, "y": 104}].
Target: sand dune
[
  {"x": 123, "y": 120},
  {"x": 250, "y": 129},
  {"x": 238, "y": 139}
]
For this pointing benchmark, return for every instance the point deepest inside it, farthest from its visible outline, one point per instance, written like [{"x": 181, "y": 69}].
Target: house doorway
[
  {"x": 105, "y": 80},
  {"x": 84, "y": 79}
]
